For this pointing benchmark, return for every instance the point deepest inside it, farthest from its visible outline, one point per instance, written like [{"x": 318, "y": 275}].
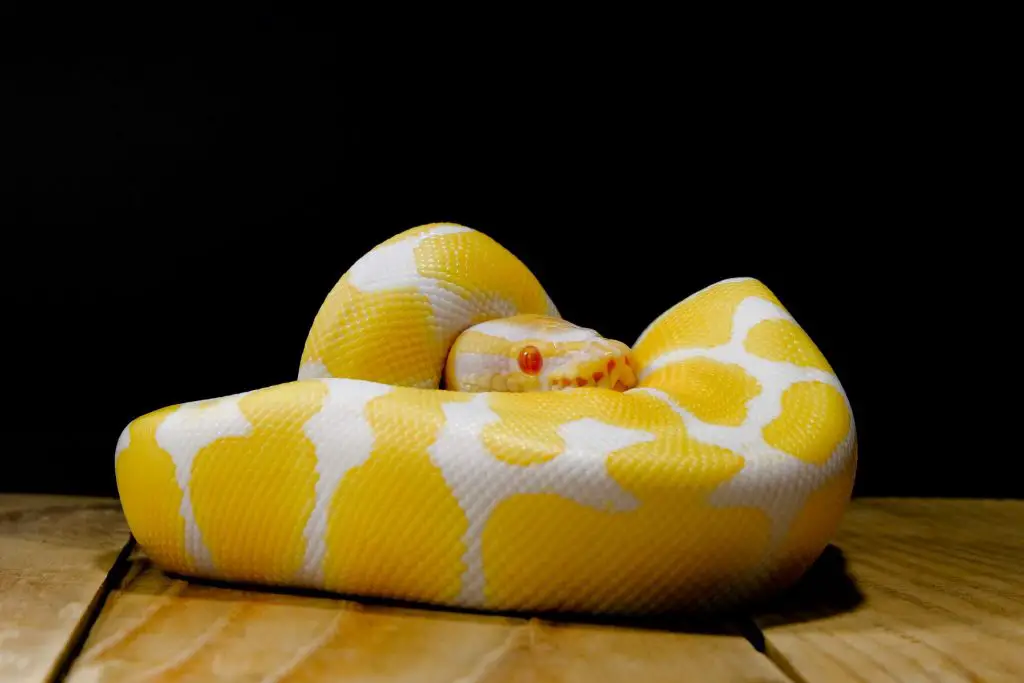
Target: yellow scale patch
[
  {"x": 350, "y": 338},
  {"x": 394, "y": 527},
  {"x": 254, "y": 531},
  {"x": 150, "y": 495},
  {"x": 785, "y": 341},
  {"x": 655, "y": 545},
  {"x": 524, "y": 436},
  {"x": 715, "y": 392},
  {"x": 482, "y": 268},
  {"x": 703, "y": 320},
  {"x": 814, "y": 420}
]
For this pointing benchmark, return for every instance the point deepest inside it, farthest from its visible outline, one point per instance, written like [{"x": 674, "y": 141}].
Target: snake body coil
[{"x": 715, "y": 473}]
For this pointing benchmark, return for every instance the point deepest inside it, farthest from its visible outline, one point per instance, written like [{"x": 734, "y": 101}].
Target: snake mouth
[{"x": 613, "y": 371}]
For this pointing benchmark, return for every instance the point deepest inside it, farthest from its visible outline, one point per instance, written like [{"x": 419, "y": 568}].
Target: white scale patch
[
  {"x": 123, "y": 442},
  {"x": 343, "y": 439},
  {"x": 183, "y": 434},
  {"x": 394, "y": 265},
  {"x": 552, "y": 309},
  {"x": 313, "y": 369},
  {"x": 480, "y": 481},
  {"x": 767, "y": 471},
  {"x": 470, "y": 365}
]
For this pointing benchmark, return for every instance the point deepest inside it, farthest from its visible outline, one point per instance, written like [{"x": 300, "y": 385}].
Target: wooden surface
[
  {"x": 55, "y": 553},
  {"x": 160, "y": 629},
  {"x": 912, "y": 590},
  {"x": 935, "y": 593}
]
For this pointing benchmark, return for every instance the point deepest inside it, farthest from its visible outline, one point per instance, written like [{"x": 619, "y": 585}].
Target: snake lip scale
[{"x": 450, "y": 440}]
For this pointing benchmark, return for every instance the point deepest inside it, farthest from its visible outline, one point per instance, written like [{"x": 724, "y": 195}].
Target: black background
[{"x": 189, "y": 189}]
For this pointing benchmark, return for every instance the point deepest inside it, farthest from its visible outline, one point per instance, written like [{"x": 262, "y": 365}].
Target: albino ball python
[{"x": 450, "y": 440}]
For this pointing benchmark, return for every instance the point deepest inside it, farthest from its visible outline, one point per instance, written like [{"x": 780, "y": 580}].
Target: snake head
[{"x": 536, "y": 353}]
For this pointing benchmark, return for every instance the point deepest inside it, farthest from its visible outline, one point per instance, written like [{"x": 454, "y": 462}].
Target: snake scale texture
[{"x": 449, "y": 440}]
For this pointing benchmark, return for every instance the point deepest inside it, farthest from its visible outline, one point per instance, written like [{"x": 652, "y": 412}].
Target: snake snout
[
  {"x": 610, "y": 367},
  {"x": 624, "y": 376},
  {"x": 619, "y": 364}
]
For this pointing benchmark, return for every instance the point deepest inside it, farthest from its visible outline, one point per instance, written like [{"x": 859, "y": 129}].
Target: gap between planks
[
  {"x": 77, "y": 639},
  {"x": 56, "y": 551}
]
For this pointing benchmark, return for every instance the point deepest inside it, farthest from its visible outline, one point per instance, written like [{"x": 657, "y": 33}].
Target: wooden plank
[
  {"x": 931, "y": 591},
  {"x": 55, "y": 552},
  {"x": 157, "y": 628}
]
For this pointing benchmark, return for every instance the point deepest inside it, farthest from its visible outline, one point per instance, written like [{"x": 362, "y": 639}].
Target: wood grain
[
  {"x": 914, "y": 590},
  {"x": 939, "y": 596},
  {"x": 55, "y": 553},
  {"x": 157, "y": 628}
]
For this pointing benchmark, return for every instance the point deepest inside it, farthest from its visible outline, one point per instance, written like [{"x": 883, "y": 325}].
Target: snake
[{"x": 450, "y": 440}]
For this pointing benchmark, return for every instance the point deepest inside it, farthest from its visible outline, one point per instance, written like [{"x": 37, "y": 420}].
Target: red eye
[{"x": 530, "y": 360}]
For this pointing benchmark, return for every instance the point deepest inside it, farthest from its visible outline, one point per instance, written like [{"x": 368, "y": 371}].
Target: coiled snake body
[{"x": 449, "y": 440}]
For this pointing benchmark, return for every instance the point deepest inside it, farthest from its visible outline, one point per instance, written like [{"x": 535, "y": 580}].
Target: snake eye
[{"x": 530, "y": 360}]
